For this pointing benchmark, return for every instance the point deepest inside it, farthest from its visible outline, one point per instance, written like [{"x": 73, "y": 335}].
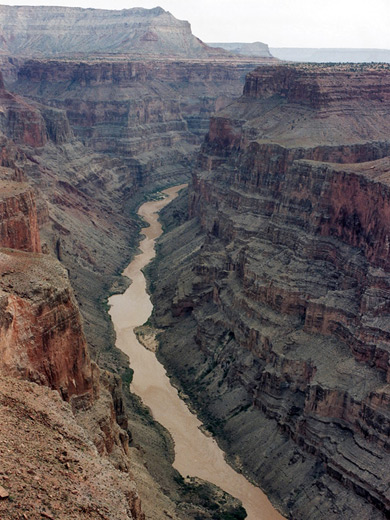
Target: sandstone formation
[
  {"x": 18, "y": 217},
  {"x": 50, "y": 31},
  {"x": 276, "y": 309},
  {"x": 41, "y": 334}
]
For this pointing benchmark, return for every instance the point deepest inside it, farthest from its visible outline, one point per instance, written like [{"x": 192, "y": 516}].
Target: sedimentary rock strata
[
  {"x": 18, "y": 217},
  {"x": 41, "y": 334},
  {"x": 67, "y": 30},
  {"x": 147, "y": 113},
  {"x": 281, "y": 286}
]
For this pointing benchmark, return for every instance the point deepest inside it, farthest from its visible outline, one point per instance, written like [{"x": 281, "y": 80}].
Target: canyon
[
  {"x": 271, "y": 292},
  {"x": 84, "y": 139},
  {"x": 270, "y": 286}
]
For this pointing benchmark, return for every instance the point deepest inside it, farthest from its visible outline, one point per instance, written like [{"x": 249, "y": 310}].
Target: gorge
[
  {"x": 270, "y": 285},
  {"x": 196, "y": 455},
  {"x": 272, "y": 294}
]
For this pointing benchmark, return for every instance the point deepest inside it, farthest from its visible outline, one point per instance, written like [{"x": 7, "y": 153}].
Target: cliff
[
  {"x": 18, "y": 217},
  {"x": 150, "y": 114},
  {"x": 20, "y": 120},
  {"x": 276, "y": 311},
  {"x": 41, "y": 333},
  {"x": 50, "y": 31}
]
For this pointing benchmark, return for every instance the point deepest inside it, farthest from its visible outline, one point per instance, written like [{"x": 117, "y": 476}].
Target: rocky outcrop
[
  {"x": 50, "y": 31},
  {"x": 28, "y": 124},
  {"x": 18, "y": 217},
  {"x": 20, "y": 120},
  {"x": 49, "y": 466},
  {"x": 42, "y": 341},
  {"x": 277, "y": 307},
  {"x": 41, "y": 332}
]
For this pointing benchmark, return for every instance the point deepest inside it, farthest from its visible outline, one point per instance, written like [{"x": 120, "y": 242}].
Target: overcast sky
[{"x": 280, "y": 23}]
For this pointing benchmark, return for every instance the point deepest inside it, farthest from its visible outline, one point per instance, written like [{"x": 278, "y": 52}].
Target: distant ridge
[
  {"x": 324, "y": 55},
  {"x": 55, "y": 31},
  {"x": 255, "y": 49}
]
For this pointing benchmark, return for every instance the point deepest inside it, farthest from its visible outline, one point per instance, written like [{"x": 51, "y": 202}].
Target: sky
[{"x": 279, "y": 23}]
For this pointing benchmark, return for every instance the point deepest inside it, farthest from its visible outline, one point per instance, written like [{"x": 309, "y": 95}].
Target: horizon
[{"x": 332, "y": 24}]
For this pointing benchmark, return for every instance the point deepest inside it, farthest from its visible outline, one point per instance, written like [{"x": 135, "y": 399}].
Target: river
[{"x": 196, "y": 454}]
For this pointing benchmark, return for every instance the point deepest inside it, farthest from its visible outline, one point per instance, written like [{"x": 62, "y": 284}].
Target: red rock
[
  {"x": 3, "y": 493},
  {"x": 18, "y": 218},
  {"x": 40, "y": 326}
]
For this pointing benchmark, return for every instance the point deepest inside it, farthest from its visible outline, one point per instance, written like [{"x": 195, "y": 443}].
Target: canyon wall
[
  {"x": 276, "y": 309},
  {"x": 18, "y": 217},
  {"x": 42, "y": 341},
  {"x": 112, "y": 130},
  {"x": 149, "y": 114},
  {"x": 66, "y": 170}
]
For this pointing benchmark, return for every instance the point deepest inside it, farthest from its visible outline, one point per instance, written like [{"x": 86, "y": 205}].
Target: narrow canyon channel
[{"x": 196, "y": 454}]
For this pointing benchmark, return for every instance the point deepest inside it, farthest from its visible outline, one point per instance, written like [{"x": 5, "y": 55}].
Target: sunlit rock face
[{"x": 277, "y": 308}]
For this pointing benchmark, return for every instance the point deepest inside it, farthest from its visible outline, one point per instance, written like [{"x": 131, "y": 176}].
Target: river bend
[{"x": 196, "y": 454}]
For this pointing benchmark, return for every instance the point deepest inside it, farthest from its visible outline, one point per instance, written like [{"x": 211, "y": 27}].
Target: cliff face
[
  {"x": 20, "y": 120},
  {"x": 49, "y": 31},
  {"x": 41, "y": 334},
  {"x": 18, "y": 217},
  {"x": 42, "y": 341},
  {"x": 281, "y": 286},
  {"x": 149, "y": 114}
]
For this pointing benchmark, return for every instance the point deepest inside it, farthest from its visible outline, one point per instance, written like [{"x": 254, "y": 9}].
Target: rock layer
[
  {"x": 18, "y": 217},
  {"x": 149, "y": 114},
  {"x": 49, "y": 31},
  {"x": 41, "y": 334},
  {"x": 277, "y": 305}
]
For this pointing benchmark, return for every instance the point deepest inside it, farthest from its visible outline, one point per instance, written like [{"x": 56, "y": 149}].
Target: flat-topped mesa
[
  {"x": 18, "y": 217},
  {"x": 319, "y": 86},
  {"x": 50, "y": 31},
  {"x": 316, "y": 111},
  {"x": 41, "y": 336},
  {"x": 258, "y": 49}
]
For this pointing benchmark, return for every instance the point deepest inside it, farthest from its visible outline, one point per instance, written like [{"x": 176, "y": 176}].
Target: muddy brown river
[{"x": 196, "y": 454}]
